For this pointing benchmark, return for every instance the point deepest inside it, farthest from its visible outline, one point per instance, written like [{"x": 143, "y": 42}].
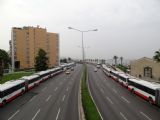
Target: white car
[
  {"x": 67, "y": 71},
  {"x": 95, "y": 69},
  {"x": 98, "y": 66}
]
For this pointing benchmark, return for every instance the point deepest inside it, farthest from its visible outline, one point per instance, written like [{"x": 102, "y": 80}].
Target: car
[
  {"x": 67, "y": 71},
  {"x": 98, "y": 66},
  {"x": 95, "y": 69}
]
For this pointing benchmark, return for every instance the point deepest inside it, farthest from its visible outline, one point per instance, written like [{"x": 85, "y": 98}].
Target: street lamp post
[
  {"x": 84, "y": 48},
  {"x": 82, "y": 32}
]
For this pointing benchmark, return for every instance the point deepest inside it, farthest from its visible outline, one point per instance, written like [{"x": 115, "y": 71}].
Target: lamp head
[
  {"x": 95, "y": 30},
  {"x": 70, "y": 28}
]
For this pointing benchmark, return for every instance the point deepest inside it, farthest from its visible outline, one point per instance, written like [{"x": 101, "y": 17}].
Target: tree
[
  {"x": 115, "y": 59},
  {"x": 41, "y": 61},
  {"x": 1, "y": 68},
  {"x": 69, "y": 59},
  {"x": 121, "y": 59},
  {"x": 5, "y": 58},
  {"x": 4, "y": 61},
  {"x": 156, "y": 57}
]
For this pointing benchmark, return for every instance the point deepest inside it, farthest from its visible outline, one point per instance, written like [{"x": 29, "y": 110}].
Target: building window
[{"x": 148, "y": 72}]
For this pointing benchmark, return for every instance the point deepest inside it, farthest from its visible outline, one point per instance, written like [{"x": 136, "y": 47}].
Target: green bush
[{"x": 123, "y": 68}]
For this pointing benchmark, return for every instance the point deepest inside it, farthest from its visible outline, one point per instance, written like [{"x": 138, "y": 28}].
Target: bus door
[
  {"x": 157, "y": 97},
  {"x": 26, "y": 85}
]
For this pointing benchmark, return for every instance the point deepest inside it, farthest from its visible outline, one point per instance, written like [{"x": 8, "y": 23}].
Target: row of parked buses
[
  {"x": 14, "y": 88},
  {"x": 150, "y": 91}
]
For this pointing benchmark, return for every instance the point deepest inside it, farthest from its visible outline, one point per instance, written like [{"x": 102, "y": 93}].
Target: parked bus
[
  {"x": 114, "y": 75},
  {"x": 58, "y": 70},
  {"x": 44, "y": 75},
  {"x": 10, "y": 90},
  {"x": 123, "y": 79},
  {"x": 31, "y": 81},
  {"x": 106, "y": 70},
  {"x": 148, "y": 90}
]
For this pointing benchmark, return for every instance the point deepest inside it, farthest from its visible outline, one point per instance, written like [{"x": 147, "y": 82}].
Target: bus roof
[
  {"x": 124, "y": 75},
  {"x": 152, "y": 85},
  {"x": 10, "y": 84},
  {"x": 29, "y": 77},
  {"x": 107, "y": 68},
  {"x": 42, "y": 72},
  {"x": 116, "y": 72}
]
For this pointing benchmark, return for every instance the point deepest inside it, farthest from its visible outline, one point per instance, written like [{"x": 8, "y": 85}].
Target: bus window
[{"x": 1, "y": 94}]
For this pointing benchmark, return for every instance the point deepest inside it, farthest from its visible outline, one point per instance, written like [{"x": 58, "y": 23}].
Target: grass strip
[
  {"x": 123, "y": 68},
  {"x": 14, "y": 76},
  {"x": 89, "y": 107}
]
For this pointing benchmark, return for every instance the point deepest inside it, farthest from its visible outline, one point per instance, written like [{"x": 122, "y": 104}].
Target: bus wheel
[
  {"x": 4, "y": 103},
  {"x": 22, "y": 92},
  {"x": 150, "y": 100},
  {"x": 132, "y": 91}
]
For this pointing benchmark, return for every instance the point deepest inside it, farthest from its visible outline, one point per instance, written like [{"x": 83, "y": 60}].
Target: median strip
[{"x": 90, "y": 110}]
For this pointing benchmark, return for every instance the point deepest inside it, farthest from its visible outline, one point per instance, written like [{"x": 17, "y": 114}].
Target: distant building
[
  {"x": 146, "y": 68},
  {"x": 28, "y": 40}
]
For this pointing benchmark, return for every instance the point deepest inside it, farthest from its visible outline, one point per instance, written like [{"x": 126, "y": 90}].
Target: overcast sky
[{"x": 128, "y": 28}]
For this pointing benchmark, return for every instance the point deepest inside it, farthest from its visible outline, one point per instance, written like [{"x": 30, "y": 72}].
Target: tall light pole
[
  {"x": 82, "y": 32},
  {"x": 84, "y": 48}
]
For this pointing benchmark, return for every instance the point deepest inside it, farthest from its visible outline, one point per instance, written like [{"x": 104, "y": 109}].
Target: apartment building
[{"x": 26, "y": 43}]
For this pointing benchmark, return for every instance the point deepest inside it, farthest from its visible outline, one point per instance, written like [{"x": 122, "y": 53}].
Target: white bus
[
  {"x": 10, "y": 90},
  {"x": 44, "y": 75},
  {"x": 148, "y": 90},
  {"x": 123, "y": 79},
  {"x": 107, "y": 70},
  {"x": 114, "y": 75},
  {"x": 31, "y": 81}
]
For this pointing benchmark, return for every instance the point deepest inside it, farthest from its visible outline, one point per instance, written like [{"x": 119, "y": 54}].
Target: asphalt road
[
  {"x": 115, "y": 102},
  {"x": 55, "y": 99}
]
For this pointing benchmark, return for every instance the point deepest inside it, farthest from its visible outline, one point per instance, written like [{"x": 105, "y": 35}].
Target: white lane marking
[
  {"x": 13, "y": 115},
  {"x": 44, "y": 89},
  {"x": 115, "y": 90},
  {"x": 109, "y": 100},
  {"x": 32, "y": 98},
  {"x": 125, "y": 99},
  {"x": 55, "y": 89},
  {"x": 102, "y": 90},
  {"x": 93, "y": 99},
  {"x": 59, "y": 110},
  {"x": 36, "y": 114},
  {"x": 145, "y": 115},
  {"x": 63, "y": 97},
  {"x": 67, "y": 89},
  {"x": 124, "y": 117},
  {"x": 48, "y": 98}
]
